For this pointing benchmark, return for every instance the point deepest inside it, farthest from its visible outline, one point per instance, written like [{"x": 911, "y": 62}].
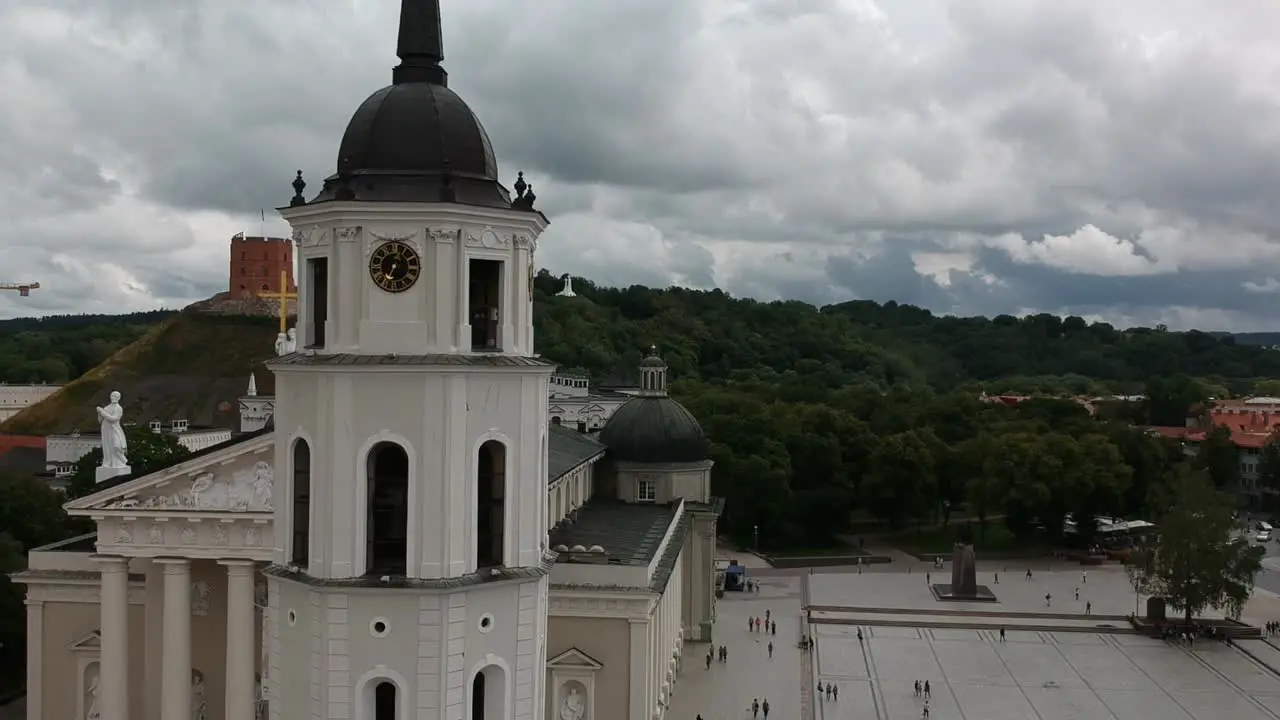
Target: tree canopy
[{"x": 1200, "y": 561}]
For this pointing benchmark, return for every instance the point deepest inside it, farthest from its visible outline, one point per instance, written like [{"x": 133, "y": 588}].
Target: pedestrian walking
[
  {"x": 1048, "y": 599},
  {"x": 1088, "y": 608},
  {"x": 1077, "y": 593},
  {"x": 916, "y": 689},
  {"x": 924, "y": 713},
  {"x": 765, "y": 707},
  {"x": 1028, "y": 573},
  {"x": 773, "y": 629},
  {"x": 927, "y": 692},
  {"x": 835, "y": 693},
  {"x": 997, "y": 577},
  {"x": 1001, "y": 634},
  {"x": 1084, "y": 576},
  {"x": 770, "y": 649},
  {"x": 755, "y": 708}
]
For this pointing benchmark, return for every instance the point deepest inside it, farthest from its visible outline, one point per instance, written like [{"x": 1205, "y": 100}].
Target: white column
[
  {"x": 113, "y": 673},
  {"x": 240, "y": 655},
  {"x": 35, "y": 644},
  {"x": 640, "y": 668},
  {"x": 175, "y": 673}
]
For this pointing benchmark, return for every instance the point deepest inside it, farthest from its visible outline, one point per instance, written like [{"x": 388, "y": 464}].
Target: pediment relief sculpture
[{"x": 245, "y": 490}]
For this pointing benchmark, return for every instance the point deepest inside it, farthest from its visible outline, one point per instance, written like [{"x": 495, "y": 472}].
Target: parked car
[{"x": 1262, "y": 537}]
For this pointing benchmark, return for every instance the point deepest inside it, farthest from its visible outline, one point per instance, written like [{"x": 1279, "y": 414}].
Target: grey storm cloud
[{"x": 1116, "y": 161}]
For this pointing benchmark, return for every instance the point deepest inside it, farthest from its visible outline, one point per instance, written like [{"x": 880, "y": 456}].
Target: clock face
[{"x": 394, "y": 266}]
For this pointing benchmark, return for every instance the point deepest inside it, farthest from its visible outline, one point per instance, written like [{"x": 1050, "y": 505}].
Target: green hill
[
  {"x": 191, "y": 365},
  {"x": 196, "y": 364}
]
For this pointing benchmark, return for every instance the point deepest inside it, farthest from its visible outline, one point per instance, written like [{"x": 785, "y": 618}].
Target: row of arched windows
[
  {"x": 387, "y": 520},
  {"x": 487, "y": 696}
]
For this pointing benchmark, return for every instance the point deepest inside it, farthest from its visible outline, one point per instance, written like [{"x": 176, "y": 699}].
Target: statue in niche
[
  {"x": 574, "y": 706},
  {"x": 114, "y": 446},
  {"x": 199, "y": 697},
  {"x": 91, "y": 708},
  {"x": 200, "y": 598}
]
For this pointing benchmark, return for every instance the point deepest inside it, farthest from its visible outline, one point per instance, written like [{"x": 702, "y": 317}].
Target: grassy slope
[{"x": 193, "y": 366}]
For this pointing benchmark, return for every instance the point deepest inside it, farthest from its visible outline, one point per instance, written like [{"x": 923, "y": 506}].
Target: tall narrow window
[
  {"x": 317, "y": 300},
  {"x": 384, "y": 701},
  {"x": 477, "y": 697},
  {"x": 491, "y": 493},
  {"x": 387, "y": 534},
  {"x": 301, "y": 504},
  {"x": 485, "y": 303}
]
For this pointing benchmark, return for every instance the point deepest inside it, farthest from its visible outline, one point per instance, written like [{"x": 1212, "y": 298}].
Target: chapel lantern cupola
[{"x": 653, "y": 375}]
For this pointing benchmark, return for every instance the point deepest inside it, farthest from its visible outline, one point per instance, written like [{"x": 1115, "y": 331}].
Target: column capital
[
  {"x": 111, "y": 563},
  {"x": 238, "y": 566},
  {"x": 174, "y": 565}
]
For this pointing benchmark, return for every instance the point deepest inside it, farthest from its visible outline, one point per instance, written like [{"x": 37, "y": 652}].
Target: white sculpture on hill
[{"x": 568, "y": 287}]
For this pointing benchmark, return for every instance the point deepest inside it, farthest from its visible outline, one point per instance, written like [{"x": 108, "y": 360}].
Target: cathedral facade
[{"x": 408, "y": 536}]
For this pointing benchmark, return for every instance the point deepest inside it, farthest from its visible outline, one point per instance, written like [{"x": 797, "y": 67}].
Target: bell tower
[{"x": 410, "y": 578}]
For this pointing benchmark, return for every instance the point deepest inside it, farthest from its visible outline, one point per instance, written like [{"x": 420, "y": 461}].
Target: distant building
[
  {"x": 256, "y": 264},
  {"x": 16, "y": 398}
]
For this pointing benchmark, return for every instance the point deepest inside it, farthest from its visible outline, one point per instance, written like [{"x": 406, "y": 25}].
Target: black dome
[
  {"x": 416, "y": 142},
  {"x": 655, "y": 430}
]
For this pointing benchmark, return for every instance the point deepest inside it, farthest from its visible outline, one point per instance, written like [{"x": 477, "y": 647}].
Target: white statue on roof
[
  {"x": 282, "y": 344},
  {"x": 115, "y": 448}
]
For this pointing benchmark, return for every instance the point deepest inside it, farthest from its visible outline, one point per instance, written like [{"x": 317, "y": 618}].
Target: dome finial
[
  {"x": 420, "y": 45},
  {"x": 298, "y": 186}
]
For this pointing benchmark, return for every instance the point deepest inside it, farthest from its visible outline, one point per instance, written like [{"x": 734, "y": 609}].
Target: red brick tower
[{"x": 256, "y": 264}]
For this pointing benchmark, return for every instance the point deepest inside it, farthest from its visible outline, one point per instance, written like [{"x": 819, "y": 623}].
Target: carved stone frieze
[
  {"x": 588, "y": 606},
  {"x": 220, "y": 534},
  {"x": 377, "y": 238},
  {"x": 314, "y": 236},
  {"x": 247, "y": 490},
  {"x": 489, "y": 240},
  {"x": 346, "y": 234},
  {"x": 444, "y": 235},
  {"x": 524, "y": 242}
]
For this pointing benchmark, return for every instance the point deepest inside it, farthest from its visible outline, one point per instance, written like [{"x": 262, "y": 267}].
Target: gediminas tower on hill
[{"x": 256, "y": 264}]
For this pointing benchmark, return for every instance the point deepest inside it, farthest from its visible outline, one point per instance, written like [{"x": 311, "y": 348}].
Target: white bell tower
[{"x": 411, "y": 543}]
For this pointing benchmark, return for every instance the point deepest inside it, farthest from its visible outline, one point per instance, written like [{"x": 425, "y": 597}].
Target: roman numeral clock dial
[{"x": 395, "y": 266}]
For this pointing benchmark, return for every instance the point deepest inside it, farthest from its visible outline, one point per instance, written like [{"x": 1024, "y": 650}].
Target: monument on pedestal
[
  {"x": 964, "y": 585},
  {"x": 115, "y": 448}
]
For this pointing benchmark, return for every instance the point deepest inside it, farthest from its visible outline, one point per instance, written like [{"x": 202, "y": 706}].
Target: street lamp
[{"x": 755, "y": 536}]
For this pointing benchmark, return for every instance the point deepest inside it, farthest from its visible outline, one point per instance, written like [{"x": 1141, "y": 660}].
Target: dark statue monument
[
  {"x": 964, "y": 585},
  {"x": 964, "y": 571}
]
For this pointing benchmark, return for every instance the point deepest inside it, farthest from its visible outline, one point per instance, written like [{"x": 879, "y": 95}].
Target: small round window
[
  {"x": 379, "y": 627},
  {"x": 486, "y": 622}
]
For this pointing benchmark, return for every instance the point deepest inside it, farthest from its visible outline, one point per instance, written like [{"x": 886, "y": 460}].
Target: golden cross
[{"x": 284, "y": 296}]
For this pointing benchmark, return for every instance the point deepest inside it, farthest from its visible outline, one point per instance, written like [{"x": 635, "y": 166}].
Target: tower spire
[{"x": 421, "y": 45}]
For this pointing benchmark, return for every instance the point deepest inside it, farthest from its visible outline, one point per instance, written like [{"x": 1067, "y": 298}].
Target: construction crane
[{"x": 24, "y": 289}]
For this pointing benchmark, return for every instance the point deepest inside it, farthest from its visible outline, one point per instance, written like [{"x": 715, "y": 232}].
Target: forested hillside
[
  {"x": 714, "y": 337},
  {"x": 814, "y": 413},
  {"x": 60, "y": 348}
]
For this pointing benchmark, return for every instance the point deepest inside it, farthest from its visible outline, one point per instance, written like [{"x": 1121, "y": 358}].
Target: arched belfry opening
[
  {"x": 299, "y": 551},
  {"x": 491, "y": 496},
  {"x": 384, "y": 701},
  {"x": 387, "y": 534},
  {"x": 488, "y": 694}
]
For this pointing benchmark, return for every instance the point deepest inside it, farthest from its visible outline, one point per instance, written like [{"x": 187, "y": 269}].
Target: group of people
[{"x": 925, "y": 691}]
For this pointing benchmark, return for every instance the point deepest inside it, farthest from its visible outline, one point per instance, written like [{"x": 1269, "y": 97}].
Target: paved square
[
  {"x": 1033, "y": 675},
  {"x": 1036, "y": 675}
]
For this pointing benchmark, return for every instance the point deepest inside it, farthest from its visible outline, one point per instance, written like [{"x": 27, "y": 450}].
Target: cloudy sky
[{"x": 1118, "y": 160}]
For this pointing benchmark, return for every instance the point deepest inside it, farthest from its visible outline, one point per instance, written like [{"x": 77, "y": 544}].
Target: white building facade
[{"x": 16, "y": 398}]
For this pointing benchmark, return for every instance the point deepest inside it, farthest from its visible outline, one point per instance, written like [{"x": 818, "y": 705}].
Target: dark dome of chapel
[
  {"x": 655, "y": 430},
  {"x": 416, "y": 140}
]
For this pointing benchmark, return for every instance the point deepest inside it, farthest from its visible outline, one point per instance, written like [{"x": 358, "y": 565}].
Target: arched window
[
  {"x": 477, "y": 697},
  {"x": 384, "y": 701},
  {"x": 300, "y": 551},
  {"x": 387, "y": 535},
  {"x": 555, "y": 419},
  {"x": 491, "y": 494},
  {"x": 488, "y": 694}
]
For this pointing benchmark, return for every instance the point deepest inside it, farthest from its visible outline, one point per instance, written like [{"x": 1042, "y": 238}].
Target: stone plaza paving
[{"x": 1035, "y": 674}]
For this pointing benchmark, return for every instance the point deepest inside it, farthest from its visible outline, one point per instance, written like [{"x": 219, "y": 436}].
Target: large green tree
[
  {"x": 147, "y": 451},
  {"x": 1200, "y": 561},
  {"x": 1219, "y": 457}
]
